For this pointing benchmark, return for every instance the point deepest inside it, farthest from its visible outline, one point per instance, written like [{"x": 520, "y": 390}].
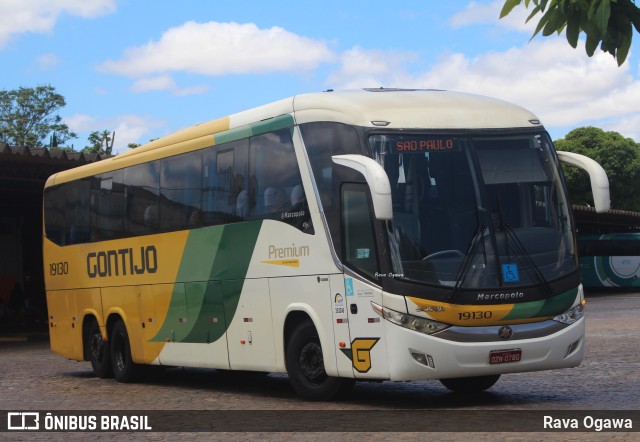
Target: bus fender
[{"x": 324, "y": 333}]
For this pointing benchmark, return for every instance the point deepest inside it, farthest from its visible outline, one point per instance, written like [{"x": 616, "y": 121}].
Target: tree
[
  {"x": 608, "y": 23},
  {"x": 620, "y": 158},
  {"x": 29, "y": 115},
  {"x": 101, "y": 142}
]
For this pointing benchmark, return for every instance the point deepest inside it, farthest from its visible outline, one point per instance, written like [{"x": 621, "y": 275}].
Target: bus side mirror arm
[
  {"x": 599, "y": 180},
  {"x": 377, "y": 180}
]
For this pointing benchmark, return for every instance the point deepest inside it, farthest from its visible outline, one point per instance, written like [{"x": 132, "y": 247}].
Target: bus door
[{"x": 366, "y": 347}]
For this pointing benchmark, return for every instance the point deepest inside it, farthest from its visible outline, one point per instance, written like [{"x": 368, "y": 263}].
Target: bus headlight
[
  {"x": 415, "y": 323},
  {"x": 571, "y": 315}
]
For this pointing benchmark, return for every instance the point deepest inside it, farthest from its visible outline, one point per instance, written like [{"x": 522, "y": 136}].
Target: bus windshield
[{"x": 476, "y": 211}]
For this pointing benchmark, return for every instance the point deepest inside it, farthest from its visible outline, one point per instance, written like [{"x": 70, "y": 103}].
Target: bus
[
  {"x": 610, "y": 260},
  {"x": 342, "y": 236},
  {"x": 609, "y": 248}
]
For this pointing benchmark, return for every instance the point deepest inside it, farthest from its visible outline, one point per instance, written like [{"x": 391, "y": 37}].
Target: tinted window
[
  {"x": 54, "y": 214},
  {"x": 181, "y": 192},
  {"x": 224, "y": 180},
  {"x": 142, "y": 188},
  {"x": 218, "y": 185},
  {"x": 359, "y": 238},
  {"x": 78, "y": 220},
  {"x": 107, "y": 206},
  {"x": 275, "y": 185}
]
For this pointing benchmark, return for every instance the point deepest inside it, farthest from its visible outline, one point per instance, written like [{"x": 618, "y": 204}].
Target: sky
[{"x": 147, "y": 68}]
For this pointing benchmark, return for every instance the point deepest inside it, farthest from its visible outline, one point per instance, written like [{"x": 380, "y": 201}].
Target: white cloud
[
  {"x": 368, "y": 68},
  {"x": 215, "y": 48},
  {"x": 128, "y": 128},
  {"x": 163, "y": 83},
  {"x": 489, "y": 13},
  {"x": 47, "y": 61},
  {"x": 628, "y": 126},
  {"x": 20, "y": 16},
  {"x": 560, "y": 84}
]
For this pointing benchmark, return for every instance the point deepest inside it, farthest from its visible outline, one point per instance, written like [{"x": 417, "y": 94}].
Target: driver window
[{"x": 359, "y": 239}]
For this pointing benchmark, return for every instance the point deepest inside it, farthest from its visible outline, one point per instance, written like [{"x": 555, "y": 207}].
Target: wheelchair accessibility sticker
[{"x": 510, "y": 273}]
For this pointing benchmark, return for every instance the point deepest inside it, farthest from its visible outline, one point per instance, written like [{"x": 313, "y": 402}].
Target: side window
[
  {"x": 275, "y": 187},
  {"x": 78, "y": 223},
  {"x": 181, "y": 192},
  {"x": 54, "y": 214},
  {"x": 142, "y": 184},
  {"x": 67, "y": 213},
  {"x": 358, "y": 235},
  {"x": 107, "y": 206},
  {"x": 224, "y": 183}
]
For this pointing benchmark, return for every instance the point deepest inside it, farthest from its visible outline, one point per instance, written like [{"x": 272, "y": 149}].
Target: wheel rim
[
  {"x": 97, "y": 347},
  {"x": 312, "y": 363},
  {"x": 119, "y": 353}
]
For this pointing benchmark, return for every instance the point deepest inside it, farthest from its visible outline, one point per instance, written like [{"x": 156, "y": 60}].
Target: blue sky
[{"x": 146, "y": 68}]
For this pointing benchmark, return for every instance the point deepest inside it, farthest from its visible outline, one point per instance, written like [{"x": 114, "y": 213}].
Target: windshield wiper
[
  {"x": 521, "y": 251},
  {"x": 466, "y": 263}
]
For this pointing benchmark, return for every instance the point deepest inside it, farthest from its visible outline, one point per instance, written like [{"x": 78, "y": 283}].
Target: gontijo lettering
[{"x": 122, "y": 262}]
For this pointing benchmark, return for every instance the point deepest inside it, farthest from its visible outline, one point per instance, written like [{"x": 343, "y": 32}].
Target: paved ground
[{"x": 32, "y": 378}]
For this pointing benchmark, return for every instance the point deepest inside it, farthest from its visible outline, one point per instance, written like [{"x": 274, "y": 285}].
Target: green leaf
[
  {"x": 533, "y": 12},
  {"x": 625, "y": 44},
  {"x": 508, "y": 7},
  {"x": 591, "y": 45},
  {"x": 555, "y": 23},
  {"x": 541, "y": 24},
  {"x": 602, "y": 16},
  {"x": 634, "y": 15},
  {"x": 573, "y": 28}
]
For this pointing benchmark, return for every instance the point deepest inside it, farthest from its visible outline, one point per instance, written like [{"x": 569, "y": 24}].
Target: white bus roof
[{"x": 404, "y": 108}]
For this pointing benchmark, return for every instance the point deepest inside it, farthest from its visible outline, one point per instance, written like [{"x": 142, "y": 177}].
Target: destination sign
[{"x": 425, "y": 144}]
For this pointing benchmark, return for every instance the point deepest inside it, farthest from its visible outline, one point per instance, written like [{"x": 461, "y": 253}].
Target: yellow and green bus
[{"x": 377, "y": 234}]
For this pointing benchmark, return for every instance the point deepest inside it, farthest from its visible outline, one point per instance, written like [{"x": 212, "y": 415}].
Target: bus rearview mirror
[
  {"x": 377, "y": 180},
  {"x": 597, "y": 175}
]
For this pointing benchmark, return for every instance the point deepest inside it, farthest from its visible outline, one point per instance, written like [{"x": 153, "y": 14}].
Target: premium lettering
[
  {"x": 288, "y": 252},
  {"x": 122, "y": 262}
]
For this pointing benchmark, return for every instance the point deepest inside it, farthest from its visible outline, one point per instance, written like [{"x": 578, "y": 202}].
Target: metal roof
[{"x": 24, "y": 170}]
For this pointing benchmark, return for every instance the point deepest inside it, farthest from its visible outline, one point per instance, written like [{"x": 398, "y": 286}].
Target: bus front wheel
[
  {"x": 305, "y": 366},
  {"x": 470, "y": 385},
  {"x": 99, "y": 352},
  {"x": 124, "y": 369}
]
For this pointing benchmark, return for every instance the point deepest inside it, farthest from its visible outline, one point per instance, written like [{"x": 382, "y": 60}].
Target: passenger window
[
  {"x": 142, "y": 184},
  {"x": 107, "y": 206},
  {"x": 225, "y": 196},
  {"x": 181, "y": 192},
  {"x": 275, "y": 188}
]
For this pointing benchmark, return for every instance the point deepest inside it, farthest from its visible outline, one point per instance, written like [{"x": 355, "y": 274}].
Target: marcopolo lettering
[
  {"x": 500, "y": 296},
  {"x": 123, "y": 262}
]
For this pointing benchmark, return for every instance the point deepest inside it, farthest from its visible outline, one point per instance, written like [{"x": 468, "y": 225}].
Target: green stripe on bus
[
  {"x": 270, "y": 125},
  {"x": 217, "y": 258},
  {"x": 548, "y": 307}
]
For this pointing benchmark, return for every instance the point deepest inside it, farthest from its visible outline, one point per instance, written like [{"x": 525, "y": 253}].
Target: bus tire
[
  {"x": 124, "y": 369},
  {"x": 99, "y": 351},
  {"x": 305, "y": 366},
  {"x": 470, "y": 385}
]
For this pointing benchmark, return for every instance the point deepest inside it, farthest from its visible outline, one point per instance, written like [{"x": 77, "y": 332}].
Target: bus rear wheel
[
  {"x": 99, "y": 352},
  {"x": 305, "y": 366},
  {"x": 124, "y": 369},
  {"x": 470, "y": 385}
]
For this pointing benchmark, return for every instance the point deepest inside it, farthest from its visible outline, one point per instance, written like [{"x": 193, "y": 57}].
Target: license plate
[{"x": 505, "y": 356}]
